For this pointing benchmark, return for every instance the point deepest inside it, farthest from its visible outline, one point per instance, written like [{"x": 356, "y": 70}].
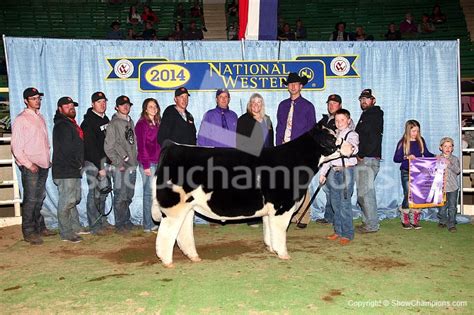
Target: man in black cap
[
  {"x": 177, "y": 123},
  {"x": 370, "y": 130},
  {"x": 31, "y": 149},
  {"x": 296, "y": 115},
  {"x": 94, "y": 125},
  {"x": 68, "y": 161},
  {"x": 120, "y": 147}
]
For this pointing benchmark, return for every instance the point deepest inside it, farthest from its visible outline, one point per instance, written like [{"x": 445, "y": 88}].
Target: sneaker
[
  {"x": 416, "y": 226},
  {"x": 73, "y": 239},
  {"x": 407, "y": 226},
  {"x": 453, "y": 229},
  {"x": 100, "y": 232},
  {"x": 147, "y": 230},
  {"x": 33, "y": 239},
  {"x": 83, "y": 232},
  {"x": 254, "y": 225},
  {"x": 363, "y": 230},
  {"x": 47, "y": 232},
  {"x": 442, "y": 225},
  {"x": 332, "y": 237},
  {"x": 155, "y": 228},
  {"x": 344, "y": 241},
  {"x": 301, "y": 225},
  {"x": 322, "y": 221}
]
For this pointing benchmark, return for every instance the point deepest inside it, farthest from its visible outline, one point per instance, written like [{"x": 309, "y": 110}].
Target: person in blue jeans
[
  {"x": 340, "y": 181},
  {"x": 148, "y": 148},
  {"x": 447, "y": 213},
  {"x": 370, "y": 130}
]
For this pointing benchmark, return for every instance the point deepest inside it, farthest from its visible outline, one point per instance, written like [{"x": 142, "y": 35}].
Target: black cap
[
  {"x": 31, "y": 91},
  {"x": 98, "y": 96},
  {"x": 366, "y": 93},
  {"x": 122, "y": 99},
  {"x": 66, "y": 100},
  {"x": 181, "y": 91},
  {"x": 294, "y": 77},
  {"x": 335, "y": 98},
  {"x": 220, "y": 91}
]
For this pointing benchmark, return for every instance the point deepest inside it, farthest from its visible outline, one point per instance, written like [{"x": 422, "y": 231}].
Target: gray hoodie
[{"x": 116, "y": 145}]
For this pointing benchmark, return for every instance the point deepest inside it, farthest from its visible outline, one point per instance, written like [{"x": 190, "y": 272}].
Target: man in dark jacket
[
  {"x": 370, "y": 130},
  {"x": 68, "y": 160},
  {"x": 177, "y": 123},
  {"x": 94, "y": 124}
]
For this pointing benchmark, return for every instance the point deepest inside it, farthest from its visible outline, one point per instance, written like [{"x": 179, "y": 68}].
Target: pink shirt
[{"x": 30, "y": 142}]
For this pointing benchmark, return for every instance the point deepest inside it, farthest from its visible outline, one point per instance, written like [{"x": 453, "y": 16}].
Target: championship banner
[{"x": 427, "y": 182}]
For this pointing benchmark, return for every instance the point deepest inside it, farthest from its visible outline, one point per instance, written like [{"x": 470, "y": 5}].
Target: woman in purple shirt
[
  {"x": 146, "y": 131},
  {"x": 410, "y": 146}
]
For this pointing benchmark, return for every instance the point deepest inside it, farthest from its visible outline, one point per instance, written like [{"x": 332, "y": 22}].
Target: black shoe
[
  {"x": 73, "y": 239},
  {"x": 442, "y": 225},
  {"x": 33, "y": 239},
  {"x": 322, "y": 221},
  {"x": 453, "y": 229},
  {"x": 47, "y": 232},
  {"x": 301, "y": 225},
  {"x": 416, "y": 226},
  {"x": 363, "y": 230},
  {"x": 407, "y": 226}
]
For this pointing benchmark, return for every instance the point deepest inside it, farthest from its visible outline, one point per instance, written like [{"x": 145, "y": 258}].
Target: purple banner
[{"x": 427, "y": 182}]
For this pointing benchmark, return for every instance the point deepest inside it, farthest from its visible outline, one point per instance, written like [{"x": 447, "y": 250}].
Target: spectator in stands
[
  {"x": 426, "y": 27},
  {"x": 300, "y": 31},
  {"x": 178, "y": 33},
  {"x": 148, "y": 15},
  {"x": 193, "y": 32},
  {"x": 287, "y": 34},
  {"x": 281, "y": 23},
  {"x": 198, "y": 13},
  {"x": 131, "y": 34},
  {"x": 133, "y": 17},
  {"x": 360, "y": 34},
  {"x": 437, "y": 16},
  {"x": 116, "y": 32},
  {"x": 149, "y": 33},
  {"x": 232, "y": 11},
  {"x": 392, "y": 32},
  {"x": 408, "y": 27},
  {"x": 340, "y": 33},
  {"x": 179, "y": 12},
  {"x": 232, "y": 31}
]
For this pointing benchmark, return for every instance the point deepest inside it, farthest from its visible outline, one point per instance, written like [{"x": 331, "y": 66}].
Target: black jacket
[
  {"x": 325, "y": 122},
  {"x": 68, "y": 149},
  {"x": 173, "y": 127},
  {"x": 370, "y": 130},
  {"x": 250, "y": 134},
  {"x": 94, "y": 135}
]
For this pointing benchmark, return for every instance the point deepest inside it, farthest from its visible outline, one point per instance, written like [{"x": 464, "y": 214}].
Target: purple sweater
[
  {"x": 304, "y": 118},
  {"x": 147, "y": 143},
  {"x": 415, "y": 149},
  {"x": 218, "y": 128}
]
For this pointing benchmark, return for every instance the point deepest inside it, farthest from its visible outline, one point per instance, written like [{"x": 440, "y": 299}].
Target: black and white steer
[{"x": 228, "y": 184}]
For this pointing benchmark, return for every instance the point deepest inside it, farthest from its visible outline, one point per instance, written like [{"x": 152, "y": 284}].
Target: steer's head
[{"x": 325, "y": 138}]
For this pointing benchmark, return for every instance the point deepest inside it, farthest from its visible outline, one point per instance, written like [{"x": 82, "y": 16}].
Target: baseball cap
[
  {"x": 366, "y": 93},
  {"x": 181, "y": 91},
  {"x": 220, "y": 91},
  {"x": 98, "y": 96},
  {"x": 31, "y": 91},
  {"x": 122, "y": 99},
  {"x": 335, "y": 98},
  {"x": 66, "y": 100}
]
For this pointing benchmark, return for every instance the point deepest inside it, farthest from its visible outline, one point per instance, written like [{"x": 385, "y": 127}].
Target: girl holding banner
[{"x": 410, "y": 146}]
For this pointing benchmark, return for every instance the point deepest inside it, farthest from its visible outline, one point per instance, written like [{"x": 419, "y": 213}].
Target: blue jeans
[
  {"x": 341, "y": 187},
  {"x": 328, "y": 210},
  {"x": 124, "y": 189},
  {"x": 68, "y": 198},
  {"x": 148, "y": 223},
  {"x": 404, "y": 179},
  {"x": 34, "y": 193},
  {"x": 366, "y": 171},
  {"x": 95, "y": 200},
  {"x": 447, "y": 213}
]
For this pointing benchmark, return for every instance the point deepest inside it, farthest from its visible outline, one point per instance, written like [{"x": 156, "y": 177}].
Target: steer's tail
[{"x": 155, "y": 207}]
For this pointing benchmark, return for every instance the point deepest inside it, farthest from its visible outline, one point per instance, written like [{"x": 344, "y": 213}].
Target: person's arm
[
  {"x": 280, "y": 128},
  {"x": 166, "y": 127},
  {"x": 310, "y": 117},
  {"x": 18, "y": 143},
  {"x": 399, "y": 156},
  {"x": 353, "y": 139},
  {"x": 112, "y": 148},
  {"x": 90, "y": 144},
  {"x": 140, "y": 133},
  {"x": 204, "y": 132},
  {"x": 63, "y": 136},
  {"x": 455, "y": 166}
]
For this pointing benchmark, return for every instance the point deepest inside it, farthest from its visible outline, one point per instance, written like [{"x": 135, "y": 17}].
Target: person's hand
[
  {"x": 102, "y": 173},
  {"x": 322, "y": 179},
  {"x": 147, "y": 172},
  {"x": 122, "y": 168},
  {"x": 33, "y": 168}
]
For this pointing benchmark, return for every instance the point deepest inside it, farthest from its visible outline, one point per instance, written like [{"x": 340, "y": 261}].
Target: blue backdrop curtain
[{"x": 411, "y": 80}]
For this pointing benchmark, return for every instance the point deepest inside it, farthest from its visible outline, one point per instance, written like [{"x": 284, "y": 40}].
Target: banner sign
[
  {"x": 427, "y": 182},
  {"x": 155, "y": 75}
]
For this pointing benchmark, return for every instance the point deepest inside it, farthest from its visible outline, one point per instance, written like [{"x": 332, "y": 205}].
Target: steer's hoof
[
  {"x": 169, "y": 266},
  {"x": 284, "y": 257},
  {"x": 270, "y": 249},
  {"x": 195, "y": 259}
]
